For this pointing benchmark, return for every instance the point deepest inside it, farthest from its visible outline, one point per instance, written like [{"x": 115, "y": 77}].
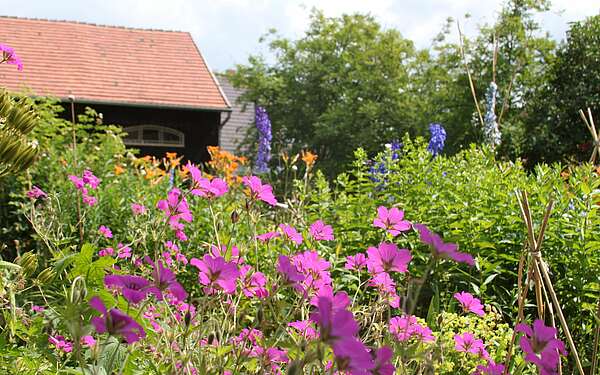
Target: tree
[
  {"x": 558, "y": 132},
  {"x": 341, "y": 86}
]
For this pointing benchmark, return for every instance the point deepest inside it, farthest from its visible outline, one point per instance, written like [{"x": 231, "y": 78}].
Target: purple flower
[
  {"x": 10, "y": 57},
  {"x": 321, "y": 232},
  {"x": 470, "y": 303},
  {"x": 60, "y": 343},
  {"x": 90, "y": 180},
  {"x": 259, "y": 191},
  {"x": 233, "y": 254},
  {"x": 387, "y": 257},
  {"x": 133, "y": 288},
  {"x": 36, "y": 193},
  {"x": 163, "y": 279},
  {"x": 383, "y": 362},
  {"x": 391, "y": 220},
  {"x": 216, "y": 273},
  {"x": 88, "y": 341},
  {"x": 291, "y": 233},
  {"x": 266, "y": 237},
  {"x": 263, "y": 125},
  {"x": 467, "y": 343},
  {"x": 115, "y": 322},
  {"x": 438, "y": 137},
  {"x": 356, "y": 262},
  {"x": 405, "y": 327},
  {"x": 305, "y": 328},
  {"x": 441, "y": 249},
  {"x": 105, "y": 231},
  {"x": 288, "y": 270},
  {"x": 253, "y": 283},
  {"x": 203, "y": 186},
  {"x": 490, "y": 369},
  {"x": 541, "y": 346}
]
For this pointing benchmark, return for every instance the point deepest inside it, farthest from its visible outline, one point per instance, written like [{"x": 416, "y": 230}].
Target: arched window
[{"x": 153, "y": 135}]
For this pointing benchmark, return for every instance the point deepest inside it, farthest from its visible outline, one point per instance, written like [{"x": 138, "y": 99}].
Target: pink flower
[
  {"x": 115, "y": 322},
  {"x": 470, "y": 303},
  {"x": 123, "y": 251},
  {"x": 233, "y": 254},
  {"x": 36, "y": 193},
  {"x": 138, "y": 209},
  {"x": 321, "y": 232},
  {"x": 88, "y": 341},
  {"x": 356, "y": 262},
  {"x": 37, "y": 309},
  {"x": 133, "y": 288},
  {"x": 89, "y": 200},
  {"x": 391, "y": 220},
  {"x": 253, "y": 283},
  {"x": 266, "y": 237},
  {"x": 441, "y": 249},
  {"x": 216, "y": 273},
  {"x": 204, "y": 187},
  {"x": 383, "y": 362},
  {"x": 90, "y": 180},
  {"x": 387, "y": 257},
  {"x": 315, "y": 271},
  {"x": 387, "y": 288},
  {"x": 109, "y": 251},
  {"x": 406, "y": 327},
  {"x": 105, "y": 231},
  {"x": 490, "y": 369},
  {"x": 60, "y": 343},
  {"x": 291, "y": 233},
  {"x": 164, "y": 280},
  {"x": 288, "y": 271},
  {"x": 10, "y": 57},
  {"x": 176, "y": 209},
  {"x": 541, "y": 346},
  {"x": 467, "y": 343},
  {"x": 305, "y": 328},
  {"x": 259, "y": 191}
]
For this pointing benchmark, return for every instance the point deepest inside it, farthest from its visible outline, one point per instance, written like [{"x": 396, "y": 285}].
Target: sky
[{"x": 228, "y": 31}]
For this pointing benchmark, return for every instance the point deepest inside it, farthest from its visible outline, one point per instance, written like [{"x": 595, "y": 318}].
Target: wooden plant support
[
  {"x": 537, "y": 270},
  {"x": 589, "y": 122}
]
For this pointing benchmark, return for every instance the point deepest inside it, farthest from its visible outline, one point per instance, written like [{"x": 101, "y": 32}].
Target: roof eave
[{"x": 146, "y": 105}]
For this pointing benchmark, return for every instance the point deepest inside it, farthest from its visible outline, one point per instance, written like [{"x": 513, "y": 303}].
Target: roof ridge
[{"x": 91, "y": 24}]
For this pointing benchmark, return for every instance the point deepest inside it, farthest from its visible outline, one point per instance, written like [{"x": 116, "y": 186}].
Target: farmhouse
[{"x": 154, "y": 83}]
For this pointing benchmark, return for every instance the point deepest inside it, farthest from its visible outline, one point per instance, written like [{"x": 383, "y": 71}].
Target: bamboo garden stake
[{"x": 589, "y": 122}]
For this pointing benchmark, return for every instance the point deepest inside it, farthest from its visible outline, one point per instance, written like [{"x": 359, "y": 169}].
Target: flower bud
[
  {"x": 46, "y": 276},
  {"x": 28, "y": 262},
  {"x": 235, "y": 217}
]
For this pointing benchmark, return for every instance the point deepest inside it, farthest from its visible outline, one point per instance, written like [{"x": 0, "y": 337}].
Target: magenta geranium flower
[
  {"x": 291, "y": 233},
  {"x": 203, "y": 186},
  {"x": 386, "y": 287},
  {"x": 259, "y": 191},
  {"x": 36, "y": 193},
  {"x": 105, "y": 231},
  {"x": 383, "y": 362},
  {"x": 314, "y": 268},
  {"x": 133, "y": 288},
  {"x": 60, "y": 343},
  {"x": 232, "y": 254},
  {"x": 123, "y": 251},
  {"x": 356, "y": 262},
  {"x": 441, "y": 249},
  {"x": 253, "y": 283},
  {"x": 468, "y": 343},
  {"x": 88, "y": 341},
  {"x": 352, "y": 356},
  {"x": 106, "y": 252},
  {"x": 10, "y": 57},
  {"x": 470, "y": 303},
  {"x": 321, "y": 231},
  {"x": 541, "y": 346},
  {"x": 82, "y": 184},
  {"x": 288, "y": 271},
  {"x": 266, "y": 237},
  {"x": 216, "y": 273},
  {"x": 116, "y": 322},
  {"x": 305, "y": 328},
  {"x": 491, "y": 368},
  {"x": 391, "y": 220},
  {"x": 405, "y": 327},
  {"x": 387, "y": 257},
  {"x": 163, "y": 280}
]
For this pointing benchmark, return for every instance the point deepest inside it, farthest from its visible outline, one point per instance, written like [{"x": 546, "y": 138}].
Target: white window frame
[{"x": 140, "y": 141}]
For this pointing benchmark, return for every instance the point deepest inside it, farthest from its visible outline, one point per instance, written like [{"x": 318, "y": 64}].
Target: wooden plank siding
[{"x": 242, "y": 118}]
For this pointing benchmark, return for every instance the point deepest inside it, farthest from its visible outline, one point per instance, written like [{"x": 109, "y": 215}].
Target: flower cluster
[
  {"x": 85, "y": 182},
  {"x": 10, "y": 57},
  {"x": 263, "y": 125},
  {"x": 438, "y": 137},
  {"x": 176, "y": 209},
  {"x": 491, "y": 132}
]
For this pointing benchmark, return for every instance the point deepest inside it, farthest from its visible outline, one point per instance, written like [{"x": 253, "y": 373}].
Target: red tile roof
[{"x": 105, "y": 64}]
